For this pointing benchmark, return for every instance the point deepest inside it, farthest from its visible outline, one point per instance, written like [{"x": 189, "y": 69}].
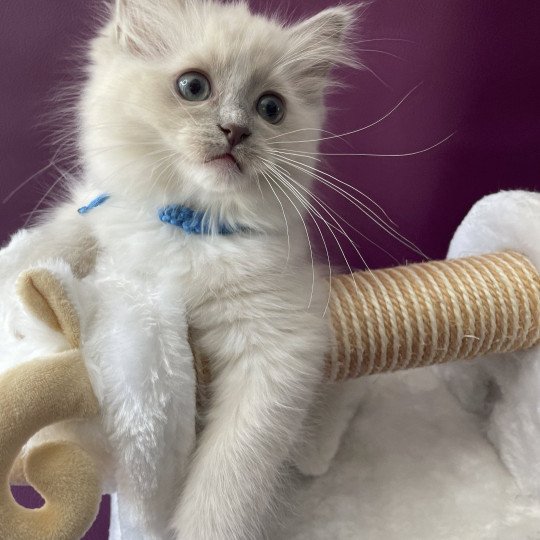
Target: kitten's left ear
[
  {"x": 139, "y": 24},
  {"x": 324, "y": 41}
]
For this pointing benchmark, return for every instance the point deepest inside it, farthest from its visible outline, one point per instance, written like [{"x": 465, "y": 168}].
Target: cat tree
[{"x": 383, "y": 321}]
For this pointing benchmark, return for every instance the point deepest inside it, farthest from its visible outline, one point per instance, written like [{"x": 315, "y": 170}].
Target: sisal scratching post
[{"x": 432, "y": 313}]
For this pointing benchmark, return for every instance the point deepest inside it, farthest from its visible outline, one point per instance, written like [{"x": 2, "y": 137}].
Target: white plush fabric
[
  {"x": 415, "y": 465},
  {"x": 505, "y": 389}
]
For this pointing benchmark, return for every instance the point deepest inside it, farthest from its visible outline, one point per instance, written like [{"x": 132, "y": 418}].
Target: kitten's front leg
[{"x": 261, "y": 395}]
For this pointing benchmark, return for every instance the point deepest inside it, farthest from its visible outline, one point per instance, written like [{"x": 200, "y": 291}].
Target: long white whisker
[
  {"x": 386, "y": 53},
  {"x": 340, "y": 228},
  {"x": 286, "y": 183},
  {"x": 385, "y": 39},
  {"x": 308, "y": 155},
  {"x": 27, "y": 181},
  {"x": 369, "y": 213},
  {"x": 163, "y": 160},
  {"x": 319, "y": 130},
  {"x": 314, "y": 173},
  {"x": 364, "y": 128},
  {"x": 329, "y": 210},
  {"x": 342, "y": 182},
  {"x": 284, "y": 217},
  {"x": 328, "y": 225},
  {"x": 407, "y": 154},
  {"x": 40, "y": 202},
  {"x": 65, "y": 173},
  {"x": 309, "y": 242},
  {"x": 381, "y": 80}
]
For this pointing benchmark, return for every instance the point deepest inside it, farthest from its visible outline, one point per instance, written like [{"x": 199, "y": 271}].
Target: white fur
[{"x": 254, "y": 300}]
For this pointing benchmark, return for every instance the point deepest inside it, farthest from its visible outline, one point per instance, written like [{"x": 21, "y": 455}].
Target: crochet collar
[{"x": 177, "y": 215}]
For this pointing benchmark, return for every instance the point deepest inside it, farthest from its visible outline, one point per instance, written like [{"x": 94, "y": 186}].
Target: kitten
[{"x": 184, "y": 105}]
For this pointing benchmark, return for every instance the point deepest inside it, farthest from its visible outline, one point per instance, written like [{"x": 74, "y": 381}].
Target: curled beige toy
[
  {"x": 383, "y": 321},
  {"x": 38, "y": 394}
]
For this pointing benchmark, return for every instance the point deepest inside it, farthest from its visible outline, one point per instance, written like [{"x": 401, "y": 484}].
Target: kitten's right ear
[
  {"x": 320, "y": 43},
  {"x": 137, "y": 26}
]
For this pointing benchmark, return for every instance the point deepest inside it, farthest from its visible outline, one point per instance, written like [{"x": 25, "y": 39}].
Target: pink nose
[{"x": 235, "y": 134}]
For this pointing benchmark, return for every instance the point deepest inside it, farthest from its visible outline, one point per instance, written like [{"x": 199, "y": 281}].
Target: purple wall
[{"x": 479, "y": 63}]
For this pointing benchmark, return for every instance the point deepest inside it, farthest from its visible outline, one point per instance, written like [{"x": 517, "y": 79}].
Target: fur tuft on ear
[
  {"x": 139, "y": 24},
  {"x": 322, "y": 42}
]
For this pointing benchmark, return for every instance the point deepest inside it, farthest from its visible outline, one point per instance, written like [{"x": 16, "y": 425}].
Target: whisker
[
  {"x": 309, "y": 242},
  {"x": 358, "y": 204},
  {"x": 307, "y": 155},
  {"x": 315, "y": 173},
  {"x": 64, "y": 174},
  {"x": 40, "y": 202},
  {"x": 330, "y": 210},
  {"x": 385, "y": 39},
  {"x": 325, "y": 248},
  {"x": 407, "y": 154},
  {"x": 285, "y": 181},
  {"x": 342, "y": 182},
  {"x": 311, "y": 195},
  {"x": 284, "y": 217},
  {"x": 380, "y": 79},
  {"x": 27, "y": 181},
  {"x": 317, "y": 214},
  {"x": 386, "y": 53},
  {"x": 319, "y": 130},
  {"x": 54, "y": 161},
  {"x": 381, "y": 119}
]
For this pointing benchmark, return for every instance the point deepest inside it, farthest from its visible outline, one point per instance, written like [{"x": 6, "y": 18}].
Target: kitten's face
[{"x": 187, "y": 100}]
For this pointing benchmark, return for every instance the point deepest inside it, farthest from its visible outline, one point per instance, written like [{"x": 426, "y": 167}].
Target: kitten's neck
[{"x": 224, "y": 213}]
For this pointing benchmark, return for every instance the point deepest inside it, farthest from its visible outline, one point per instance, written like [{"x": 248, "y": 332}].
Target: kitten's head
[{"x": 188, "y": 99}]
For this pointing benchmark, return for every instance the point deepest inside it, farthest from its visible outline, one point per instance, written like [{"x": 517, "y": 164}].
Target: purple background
[{"x": 479, "y": 65}]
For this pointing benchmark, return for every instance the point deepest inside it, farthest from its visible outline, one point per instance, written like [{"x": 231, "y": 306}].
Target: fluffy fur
[{"x": 254, "y": 301}]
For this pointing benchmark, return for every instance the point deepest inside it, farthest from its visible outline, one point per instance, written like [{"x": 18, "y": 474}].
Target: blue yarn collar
[
  {"x": 177, "y": 215},
  {"x": 98, "y": 201},
  {"x": 194, "y": 222}
]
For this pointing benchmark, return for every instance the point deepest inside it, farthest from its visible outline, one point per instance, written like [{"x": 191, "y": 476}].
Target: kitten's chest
[{"x": 200, "y": 264}]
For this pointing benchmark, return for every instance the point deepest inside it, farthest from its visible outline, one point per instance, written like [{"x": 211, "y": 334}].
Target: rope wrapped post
[{"x": 432, "y": 313}]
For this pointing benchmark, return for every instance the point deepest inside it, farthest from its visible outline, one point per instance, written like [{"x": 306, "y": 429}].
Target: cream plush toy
[{"x": 110, "y": 342}]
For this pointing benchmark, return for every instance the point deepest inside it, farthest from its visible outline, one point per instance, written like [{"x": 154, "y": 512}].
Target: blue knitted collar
[
  {"x": 177, "y": 215},
  {"x": 193, "y": 222}
]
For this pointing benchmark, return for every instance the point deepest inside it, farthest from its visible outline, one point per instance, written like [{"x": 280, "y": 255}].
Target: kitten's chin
[
  {"x": 224, "y": 163},
  {"x": 220, "y": 175}
]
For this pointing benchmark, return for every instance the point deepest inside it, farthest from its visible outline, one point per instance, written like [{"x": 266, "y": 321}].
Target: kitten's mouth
[{"x": 227, "y": 160}]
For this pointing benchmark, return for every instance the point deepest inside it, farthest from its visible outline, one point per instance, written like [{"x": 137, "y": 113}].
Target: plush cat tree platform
[
  {"x": 421, "y": 462},
  {"x": 414, "y": 464}
]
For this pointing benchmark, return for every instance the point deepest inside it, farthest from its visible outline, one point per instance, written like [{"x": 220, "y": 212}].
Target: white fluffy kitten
[{"x": 184, "y": 104}]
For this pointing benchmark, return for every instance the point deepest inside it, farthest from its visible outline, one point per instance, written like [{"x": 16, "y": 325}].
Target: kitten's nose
[{"x": 235, "y": 134}]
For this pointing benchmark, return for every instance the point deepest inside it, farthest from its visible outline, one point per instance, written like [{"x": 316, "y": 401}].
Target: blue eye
[
  {"x": 271, "y": 108},
  {"x": 194, "y": 86}
]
